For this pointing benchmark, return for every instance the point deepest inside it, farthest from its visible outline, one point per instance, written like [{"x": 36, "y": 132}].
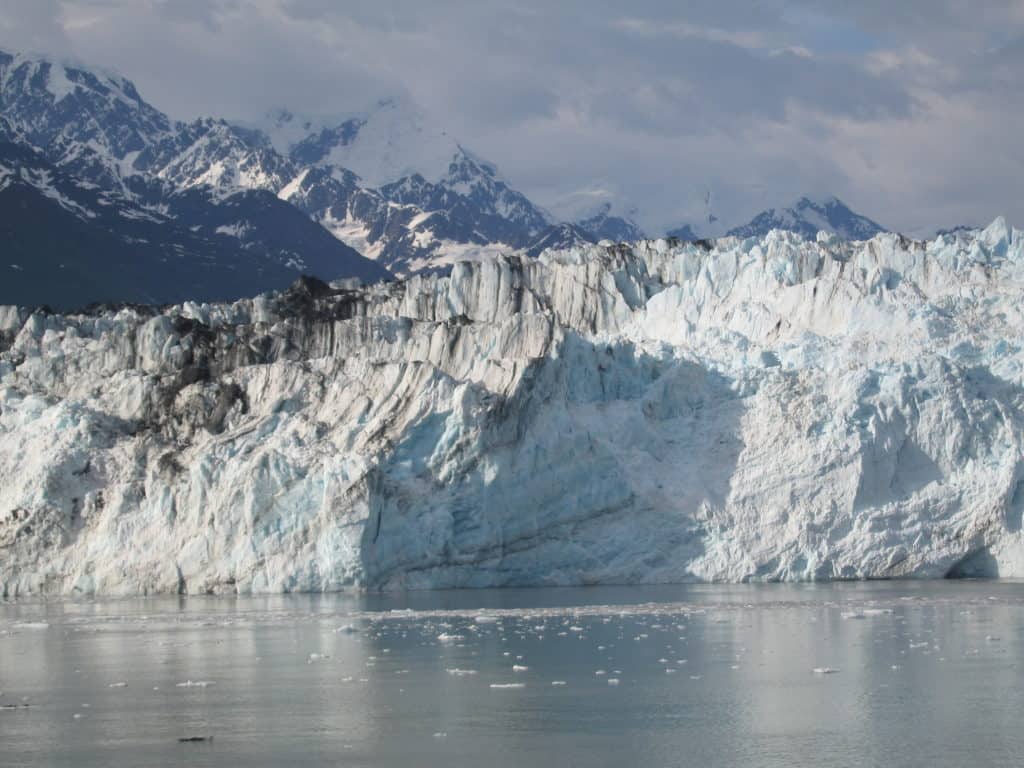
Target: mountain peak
[
  {"x": 383, "y": 143},
  {"x": 559, "y": 237},
  {"x": 814, "y": 201},
  {"x": 61, "y": 77},
  {"x": 808, "y": 216},
  {"x": 53, "y": 102}
]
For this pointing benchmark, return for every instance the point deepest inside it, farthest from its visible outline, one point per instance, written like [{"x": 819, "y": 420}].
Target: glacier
[{"x": 758, "y": 409}]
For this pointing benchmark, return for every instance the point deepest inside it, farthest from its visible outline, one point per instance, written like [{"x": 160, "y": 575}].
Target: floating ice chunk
[
  {"x": 196, "y": 684},
  {"x": 456, "y": 672},
  {"x": 613, "y": 681},
  {"x": 440, "y": 735},
  {"x": 558, "y": 682},
  {"x": 507, "y": 685},
  {"x": 519, "y": 668},
  {"x": 347, "y": 629},
  {"x": 120, "y": 684},
  {"x": 484, "y": 619},
  {"x": 853, "y": 615},
  {"x": 825, "y": 671},
  {"x": 444, "y": 637}
]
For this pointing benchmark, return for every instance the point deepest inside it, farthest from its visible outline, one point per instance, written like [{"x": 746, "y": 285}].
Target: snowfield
[{"x": 757, "y": 409}]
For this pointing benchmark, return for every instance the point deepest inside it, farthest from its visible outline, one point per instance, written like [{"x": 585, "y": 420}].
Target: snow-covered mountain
[
  {"x": 128, "y": 206},
  {"x": 68, "y": 243},
  {"x": 393, "y": 185},
  {"x": 391, "y": 140},
  {"x": 809, "y": 216},
  {"x": 600, "y": 212},
  {"x": 97, "y": 128},
  {"x": 440, "y": 201},
  {"x": 726, "y": 411},
  {"x": 385, "y": 182},
  {"x": 217, "y": 155},
  {"x": 559, "y": 237},
  {"x": 603, "y": 224}
]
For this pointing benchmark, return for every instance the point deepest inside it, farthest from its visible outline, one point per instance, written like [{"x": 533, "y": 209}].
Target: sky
[{"x": 909, "y": 111}]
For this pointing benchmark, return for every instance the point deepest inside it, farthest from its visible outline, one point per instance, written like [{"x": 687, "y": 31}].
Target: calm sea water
[{"x": 908, "y": 674}]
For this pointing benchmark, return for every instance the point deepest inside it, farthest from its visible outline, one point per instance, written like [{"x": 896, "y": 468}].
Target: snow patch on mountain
[{"x": 58, "y": 83}]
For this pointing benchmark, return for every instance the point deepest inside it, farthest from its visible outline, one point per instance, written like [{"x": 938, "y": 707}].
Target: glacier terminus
[{"x": 745, "y": 409}]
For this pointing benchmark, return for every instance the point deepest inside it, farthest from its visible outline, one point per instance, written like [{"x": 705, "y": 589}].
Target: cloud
[{"x": 905, "y": 110}]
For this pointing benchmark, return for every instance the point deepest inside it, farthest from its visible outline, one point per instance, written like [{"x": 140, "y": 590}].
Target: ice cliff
[{"x": 759, "y": 409}]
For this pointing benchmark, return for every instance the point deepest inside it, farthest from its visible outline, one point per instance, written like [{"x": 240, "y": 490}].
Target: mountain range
[{"x": 106, "y": 198}]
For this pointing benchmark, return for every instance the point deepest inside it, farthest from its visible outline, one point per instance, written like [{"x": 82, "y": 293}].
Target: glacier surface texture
[{"x": 751, "y": 409}]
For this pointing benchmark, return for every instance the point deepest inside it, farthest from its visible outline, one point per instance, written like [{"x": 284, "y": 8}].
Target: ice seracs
[{"x": 770, "y": 408}]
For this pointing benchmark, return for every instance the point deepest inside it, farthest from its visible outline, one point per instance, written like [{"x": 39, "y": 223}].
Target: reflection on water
[{"x": 928, "y": 674}]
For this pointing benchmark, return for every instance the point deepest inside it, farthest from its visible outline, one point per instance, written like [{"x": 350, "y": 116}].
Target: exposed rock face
[{"x": 749, "y": 410}]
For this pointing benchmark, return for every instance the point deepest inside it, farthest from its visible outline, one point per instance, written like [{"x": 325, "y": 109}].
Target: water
[{"x": 928, "y": 674}]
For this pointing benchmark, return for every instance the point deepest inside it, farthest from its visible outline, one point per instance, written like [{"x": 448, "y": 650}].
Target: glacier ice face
[{"x": 755, "y": 409}]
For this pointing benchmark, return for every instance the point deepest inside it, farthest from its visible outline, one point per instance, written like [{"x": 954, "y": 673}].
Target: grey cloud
[{"x": 205, "y": 12}]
